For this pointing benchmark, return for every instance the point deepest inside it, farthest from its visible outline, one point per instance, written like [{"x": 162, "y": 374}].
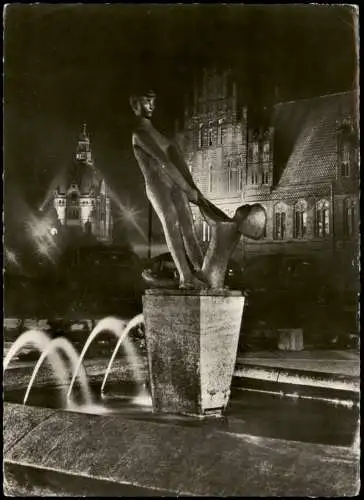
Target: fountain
[
  {"x": 41, "y": 341},
  {"x": 63, "y": 345},
  {"x": 120, "y": 330},
  {"x": 110, "y": 447},
  {"x": 50, "y": 349}
]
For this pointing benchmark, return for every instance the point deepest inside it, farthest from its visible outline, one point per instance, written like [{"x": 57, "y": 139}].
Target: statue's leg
[
  {"x": 169, "y": 217},
  {"x": 249, "y": 220},
  {"x": 224, "y": 238},
  {"x": 188, "y": 230}
]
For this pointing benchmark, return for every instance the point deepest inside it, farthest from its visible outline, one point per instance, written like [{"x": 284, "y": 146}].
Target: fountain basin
[
  {"x": 49, "y": 451},
  {"x": 192, "y": 339}
]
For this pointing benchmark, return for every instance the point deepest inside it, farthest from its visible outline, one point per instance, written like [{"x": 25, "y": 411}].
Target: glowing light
[
  {"x": 42, "y": 233},
  {"x": 11, "y": 257},
  {"x": 128, "y": 214}
]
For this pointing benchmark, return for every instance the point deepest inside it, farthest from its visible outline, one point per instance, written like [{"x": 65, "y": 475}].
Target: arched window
[
  {"x": 265, "y": 176},
  {"x": 300, "y": 219},
  {"x": 349, "y": 217},
  {"x": 200, "y": 136},
  {"x": 210, "y": 136},
  {"x": 266, "y": 151},
  {"x": 219, "y": 132},
  {"x": 346, "y": 150},
  {"x": 233, "y": 177},
  {"x": 280, "y": 216},
  {"x": 205, "y": 231},
  {"x": 254, "y": 152},
  {"x": 240, "y": 178},
  {"x": 254, "y": 175},
  {"x": 322, "y": 218},
  {"x": 73, "y": 196}
]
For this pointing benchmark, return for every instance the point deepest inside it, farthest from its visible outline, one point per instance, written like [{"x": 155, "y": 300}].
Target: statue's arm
[{"x": 142, "y": 140}]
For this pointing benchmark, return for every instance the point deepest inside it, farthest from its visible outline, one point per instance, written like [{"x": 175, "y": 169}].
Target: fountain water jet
[
  {"x": 41, "y": 342},
  {"x": 130, "y": 350},
  {"x": 63, "y": 345},
  {"x": 117, "y": 327}
]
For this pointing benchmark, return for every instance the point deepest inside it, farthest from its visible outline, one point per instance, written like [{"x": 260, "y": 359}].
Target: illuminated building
[
  {"x": 300, "y": 162},
  {"x": 82, "y": 198}
]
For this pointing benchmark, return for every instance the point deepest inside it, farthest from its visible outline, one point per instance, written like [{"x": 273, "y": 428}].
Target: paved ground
[{"x": 328, "y": 361}]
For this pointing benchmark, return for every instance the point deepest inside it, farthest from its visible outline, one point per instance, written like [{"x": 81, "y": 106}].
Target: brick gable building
[{"x": 301, "y": 165}]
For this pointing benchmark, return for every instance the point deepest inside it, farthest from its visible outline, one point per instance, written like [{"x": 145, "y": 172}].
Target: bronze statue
[{"x": 170, "y": 189}]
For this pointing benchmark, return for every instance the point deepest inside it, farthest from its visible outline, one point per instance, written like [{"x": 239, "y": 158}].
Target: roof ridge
[{"x": 346, "y": 92}]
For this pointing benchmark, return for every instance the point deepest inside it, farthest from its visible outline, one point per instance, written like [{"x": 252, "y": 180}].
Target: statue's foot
[
  {"x": 153, "y": 281},
  {"x": 201, "y": 276},
  {"x": 192, "y": 283}
]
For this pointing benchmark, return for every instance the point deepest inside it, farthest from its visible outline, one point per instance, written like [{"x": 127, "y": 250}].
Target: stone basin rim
[{"x": 209, "y": 292}]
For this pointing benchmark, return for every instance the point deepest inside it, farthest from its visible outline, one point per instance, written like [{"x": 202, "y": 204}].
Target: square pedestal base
[{"x": 192, "y": 339}]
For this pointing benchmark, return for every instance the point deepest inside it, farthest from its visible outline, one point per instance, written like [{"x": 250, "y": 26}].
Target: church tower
[{"x": 82, "y": 198}]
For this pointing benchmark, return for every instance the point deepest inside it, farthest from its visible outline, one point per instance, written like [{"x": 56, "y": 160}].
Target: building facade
[
  {"x": 215, "y": 145},
  {"x": 301, "y": 164},
  {"x": 82, "y": 198}
]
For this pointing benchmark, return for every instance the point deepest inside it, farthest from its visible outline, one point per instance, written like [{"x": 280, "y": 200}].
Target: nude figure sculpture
[{"x": 170, "y": 189}]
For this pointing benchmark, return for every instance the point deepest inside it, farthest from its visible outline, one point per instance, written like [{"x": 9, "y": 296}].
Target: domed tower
[{"x": 82, "y": 199}]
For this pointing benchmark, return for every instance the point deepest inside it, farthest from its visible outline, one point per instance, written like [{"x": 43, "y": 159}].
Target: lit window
[
  {"x": 210, "y": 137},
  {"x": 233, "y": 177},
  {"x": 266, "y": 152},
  {"x": 81, "y": 155},
  {"x": 349, "y": 217},
  {"x": 240, "y": 178},
  {"x": 200, "y": 137},
  {"x": 254, "y": 176},
  {"x": 280, "y": 216},
  {"x": 322, "y": 218},
  {"x": 254, "y": 152},
  {"x": 219, "y": 132},
  {"x": 300, "y": 219},
  {"x": 345, "y": 159}
]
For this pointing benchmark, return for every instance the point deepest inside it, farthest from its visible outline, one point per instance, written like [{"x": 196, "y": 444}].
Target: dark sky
[{"x": 73, "y": 63}]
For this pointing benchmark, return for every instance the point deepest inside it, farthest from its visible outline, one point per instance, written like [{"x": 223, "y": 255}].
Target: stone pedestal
[{"x": 192, "y": 339}]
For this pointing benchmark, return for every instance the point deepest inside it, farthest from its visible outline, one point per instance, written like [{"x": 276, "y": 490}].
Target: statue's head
[{"x": 143, "y": 104}]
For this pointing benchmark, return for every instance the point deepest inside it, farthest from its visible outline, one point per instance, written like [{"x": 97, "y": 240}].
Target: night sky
[{"x": 69, "y": 64}]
